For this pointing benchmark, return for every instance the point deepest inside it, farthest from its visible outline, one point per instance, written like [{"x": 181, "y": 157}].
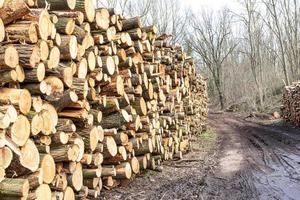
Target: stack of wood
[
  {"x": 198, "y": 105},
  {"x": 291, "y": 103},
  {"x": 88, "y": 99}
]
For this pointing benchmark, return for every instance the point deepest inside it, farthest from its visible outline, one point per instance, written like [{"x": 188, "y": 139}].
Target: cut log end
[
  {"x": 6, "y": 156},
  {"x": 2, "y": 174},
  {"x": 54, "y": 56},
  {"x": 43, "y": 192},
  {"x": 48, "y": 167},
  {"x": 11, "y": 57},
  {"x": 2, "y": 31},
  {"x": 111, "y": 146},
  {"x": 69, "y": 194},
  {"x": 20, "y": 130},
  {"x": 41, "y": 71},
  {"x": 30, "y": 158},
  {"x": 73, "y": 47},
  {"x": 124, "y": 171},
  {"x": 135, "y": 165}
]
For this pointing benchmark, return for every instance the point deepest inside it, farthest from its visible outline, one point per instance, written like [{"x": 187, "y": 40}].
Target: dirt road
[
  {"x": 237, "y": 160},
  {"x": 256, "y": 161}
]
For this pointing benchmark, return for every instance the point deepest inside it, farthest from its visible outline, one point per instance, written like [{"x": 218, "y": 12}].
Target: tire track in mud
[
  {"x": 238, "y": 184},
  {"x": 271, "y": 156}
]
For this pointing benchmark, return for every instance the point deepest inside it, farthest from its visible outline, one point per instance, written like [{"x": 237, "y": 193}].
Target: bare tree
[
  {"x": 290, "y": 14},
  {"x": 275, "y": 26},
  {"x": 253, "y": 47},
  {"x": 210, "y": 39},
  {"x": 171, "y": 17}
]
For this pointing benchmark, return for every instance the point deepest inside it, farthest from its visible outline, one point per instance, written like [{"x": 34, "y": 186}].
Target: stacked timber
[
  {"x": 197, "y": 104},
  {"x": 88, "y": 99},
  {"x": 291, "y": 103}
]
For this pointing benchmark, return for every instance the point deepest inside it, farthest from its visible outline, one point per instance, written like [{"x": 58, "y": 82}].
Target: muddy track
[
  {"x": 247, "y": 161},
  {"x": 267, "y": 158}
]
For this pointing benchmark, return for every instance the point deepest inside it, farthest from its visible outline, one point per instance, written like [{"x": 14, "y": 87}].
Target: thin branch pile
[{"x": 88, "y": 99}]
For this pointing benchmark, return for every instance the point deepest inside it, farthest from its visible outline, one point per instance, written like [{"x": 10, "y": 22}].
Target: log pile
[
  {"x": 88, "y": 99},
  {"x": 291, "y": 103},
  {"x": 197, "y": 102}
]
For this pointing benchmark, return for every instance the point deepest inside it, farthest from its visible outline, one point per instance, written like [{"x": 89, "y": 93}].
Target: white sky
[{"x": 197, "y": 5}]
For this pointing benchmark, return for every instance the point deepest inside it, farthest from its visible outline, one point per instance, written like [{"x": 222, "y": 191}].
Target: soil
[{"x": 235, "y": 159}]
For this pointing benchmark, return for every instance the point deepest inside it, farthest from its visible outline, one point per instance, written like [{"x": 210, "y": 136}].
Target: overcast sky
[{"x": 197, "y": 5}]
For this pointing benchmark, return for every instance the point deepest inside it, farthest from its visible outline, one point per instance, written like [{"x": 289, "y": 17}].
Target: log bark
[
  {"x": 108, "y": 171},
  {"x": 64, "y": 71},
  {"x": 65, "y": 153},
  {"x": 76, "y": 15},
  {"x": 35, "y": 179},
  {"x": 65, "y": 25},
  {"x": 35, "y": 75},
  {"x": 91, "y": 173},
  {"x": 68, "y": 47},
  {"x": 80, "y": 34},
  {"x": 62, "y": 101},
  {"x": 115, "y": 88},
  {"x": 140, "y": 106},
  {"x": 80, "y": 86},
  {"x": 14, "y": 187},
  {"x": 115, "y": 120},
  {"x": 131, "y": 23},
  {"x": 22, "y": 31},
  {"x": 87, "y": 8},
  {"x": 123, "y": 171},
  {"x": 13, "y": 10},
  {"x": 29, "y": 55},
  {"x": 145, "y": 147},
  {"x": 91, "y": 183},
  {"x": 8, "y": 76},
  {"x": 57, "y": 4}
]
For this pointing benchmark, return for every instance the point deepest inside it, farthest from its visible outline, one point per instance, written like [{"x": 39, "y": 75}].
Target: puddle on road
[
  {"x": 283, "y": 182},
  {"x": 277, "y": 186}
]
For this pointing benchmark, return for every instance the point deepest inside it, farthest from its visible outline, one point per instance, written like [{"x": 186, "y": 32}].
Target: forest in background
[{"x": 247, "y": 56}]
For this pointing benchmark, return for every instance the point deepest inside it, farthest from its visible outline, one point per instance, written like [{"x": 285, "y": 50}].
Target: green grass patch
[
  {"x": 209, "y": 136},
  {"x": 206, "y": 140}
]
